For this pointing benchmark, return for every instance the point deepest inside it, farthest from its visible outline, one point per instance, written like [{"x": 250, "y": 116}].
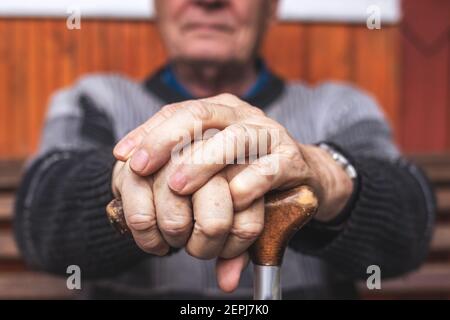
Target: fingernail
[
  {"x": 178, "y": 181},
  {"x": 139, "y": 160},
  {"x": 124, "y": 147}
]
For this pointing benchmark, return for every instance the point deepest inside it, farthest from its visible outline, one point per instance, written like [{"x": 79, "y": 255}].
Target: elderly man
[{"x": 193, "y": 221}]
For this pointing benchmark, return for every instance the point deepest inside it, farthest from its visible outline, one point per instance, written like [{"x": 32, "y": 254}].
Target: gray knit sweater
[{"x": 60, "y": 217}]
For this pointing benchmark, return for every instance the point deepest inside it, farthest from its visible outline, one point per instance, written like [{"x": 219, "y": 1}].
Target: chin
[{"x": 209, "y": 51}]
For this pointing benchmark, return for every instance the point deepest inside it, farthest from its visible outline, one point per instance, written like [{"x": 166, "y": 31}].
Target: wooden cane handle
[
  {"x": 285, "y": 213},
  {"x": 116, "y": 216}
]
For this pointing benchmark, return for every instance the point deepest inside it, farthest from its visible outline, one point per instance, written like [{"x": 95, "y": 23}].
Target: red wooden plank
[
  {"x": 329, "y": 52},
  {"x": 425, "y": 77},
  {"x": 5, "y": 34},
  {"x": 376, "y": 67},
  {"x": 284, "y": 50}
]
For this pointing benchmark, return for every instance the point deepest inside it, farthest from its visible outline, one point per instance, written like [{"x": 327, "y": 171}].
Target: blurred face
[{"x": 213, "y": 30}]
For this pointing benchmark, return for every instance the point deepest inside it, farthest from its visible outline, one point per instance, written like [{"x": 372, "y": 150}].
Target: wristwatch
[{"x": 340, "y": 159}]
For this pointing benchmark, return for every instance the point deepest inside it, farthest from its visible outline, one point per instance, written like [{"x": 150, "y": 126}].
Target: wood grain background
[
  {"x": 38, "y": 56},
  {"x": 406, "y": 67}
]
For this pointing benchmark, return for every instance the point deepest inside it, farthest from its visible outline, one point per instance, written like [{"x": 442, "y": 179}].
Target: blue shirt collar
[{"x": 169, "y": 78}]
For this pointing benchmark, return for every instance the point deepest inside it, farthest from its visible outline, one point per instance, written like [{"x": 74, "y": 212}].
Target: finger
[
  {"x": 137, "y": 199},
  {"x": 226, "y": 99},
  {"x": 125, "y": 147},
  {"x": 228, "y": 271},
  {"x": 233, "y": 101},
  {"x": 173, "y": 212},
  {"x": 238, "y": 143},
  {"x": 247, "y": 226},
  {"x": 281, "y": 168},
  {"x": 186, "y": 124},
  {"x": 213, "y": 212}
]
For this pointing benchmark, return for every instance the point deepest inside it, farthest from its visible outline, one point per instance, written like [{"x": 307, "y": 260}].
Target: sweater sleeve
[
  {"x": 390, "y": 216},
  {"x": 60, "y": 217}
]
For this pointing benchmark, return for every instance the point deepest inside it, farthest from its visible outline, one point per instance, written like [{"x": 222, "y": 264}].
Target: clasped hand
[{"x": 194, "y": 175}]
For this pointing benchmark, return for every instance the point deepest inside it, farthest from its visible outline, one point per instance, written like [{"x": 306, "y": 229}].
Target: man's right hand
[{"x": 204, "y": 223}]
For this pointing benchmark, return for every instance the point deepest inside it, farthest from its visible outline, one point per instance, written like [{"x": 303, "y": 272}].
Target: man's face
[{"x": 213, "y": 30}]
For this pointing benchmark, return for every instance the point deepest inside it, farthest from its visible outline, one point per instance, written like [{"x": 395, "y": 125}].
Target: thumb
[{"x": 228, "y": 271}]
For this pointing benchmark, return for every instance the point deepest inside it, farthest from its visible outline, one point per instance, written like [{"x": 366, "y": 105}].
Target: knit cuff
[
  {"x": 387, "y": 226},
  {"x": 92, "y": 188}
]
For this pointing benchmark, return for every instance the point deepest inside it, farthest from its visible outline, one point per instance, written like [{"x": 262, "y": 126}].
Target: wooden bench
[
  {"x": 432, "y": 280},
  {"x": 16, "y": 281}
]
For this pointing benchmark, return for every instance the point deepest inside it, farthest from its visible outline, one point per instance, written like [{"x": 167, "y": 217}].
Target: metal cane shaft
[{"x": 267, "y": 283}]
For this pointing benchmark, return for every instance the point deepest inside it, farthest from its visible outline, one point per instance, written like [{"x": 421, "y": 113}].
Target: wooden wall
[
  {"x": 38, "y": 56},
  {"x": 425, "y": 79}
]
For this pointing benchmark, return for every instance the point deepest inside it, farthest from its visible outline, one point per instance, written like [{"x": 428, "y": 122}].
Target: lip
[{"x": 207, "y": 27}]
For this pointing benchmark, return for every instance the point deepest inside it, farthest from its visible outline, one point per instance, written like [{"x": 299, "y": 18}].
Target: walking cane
[{"x": 285, "y": 213}]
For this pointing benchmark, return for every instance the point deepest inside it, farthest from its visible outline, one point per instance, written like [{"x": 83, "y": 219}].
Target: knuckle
[
  {"x": 238, "y": 129},
  {"x": 293, "y": 154},
  {"x": 198, "y": 254},
  {"x": 174, "y": 228},
  {"x": 151, "y": 245},
  {"x": 239, "y": 191},
  {"x": 227, "y": 95},
  {"x": 243, "y": 195},
  {"x": 262, "y": 169},
  {"x": 255, "y": 111},
  {"x": 228, "y": 98},
  {"x": 213, "y": 228},
  {"x": 248, "y": 231},
  {"x": 199, "y": 110},
  {"x": 168, "y": 110},
  {"x": 142, "y": 131},
  {"x": 141, "y": 222},
  {"x": 292, "y": 160}
]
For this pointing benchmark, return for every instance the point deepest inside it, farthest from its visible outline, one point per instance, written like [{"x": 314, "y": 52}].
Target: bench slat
[
  {"x": 33, "y": 285},
  {"x": 428, "y": 280},
  {"x": 10, "y": 173},
  {"x": 8, "y": 247},
  {"x": 436, "y": 166},
  {"x": 441, "y": 239},
  {"x": 443, "y": 201},
  {"x": 6, "y": 206}
]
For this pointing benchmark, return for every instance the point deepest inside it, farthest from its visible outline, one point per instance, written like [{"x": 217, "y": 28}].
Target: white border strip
[
  {"x": 352, "y": 11},
  {"x": 134, "y": 9}
]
